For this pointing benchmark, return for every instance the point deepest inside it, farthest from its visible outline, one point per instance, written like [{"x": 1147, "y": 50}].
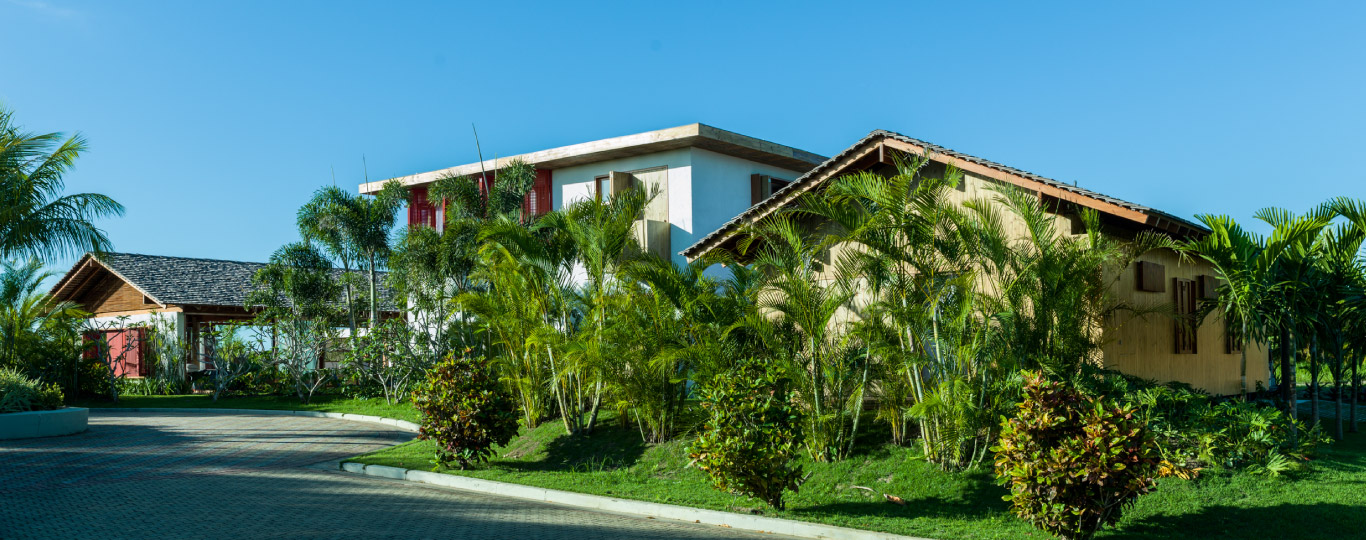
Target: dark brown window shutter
[
  {"x": 1152, "y": 277},
  {"x": 1185, "y": 304},
  {"x": 756, "y": 189},
  {"x": 1209, "y": 288}
]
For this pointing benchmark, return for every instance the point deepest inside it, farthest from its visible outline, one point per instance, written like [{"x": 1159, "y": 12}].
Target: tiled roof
[
  {"x": 821, "y": 171},
  {"x": 188, "y": 281}
]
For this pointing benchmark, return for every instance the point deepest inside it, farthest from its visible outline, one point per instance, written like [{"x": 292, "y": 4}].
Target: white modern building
[{"x": 705, "y": 177}]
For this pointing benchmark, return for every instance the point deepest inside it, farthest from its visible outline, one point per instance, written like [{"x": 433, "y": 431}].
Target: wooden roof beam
[{"x": 1036, "y": 186}]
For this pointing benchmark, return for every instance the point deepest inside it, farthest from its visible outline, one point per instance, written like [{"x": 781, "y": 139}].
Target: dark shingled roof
[
  {"x": 188, "y": 281},
  {"x": 702, "y": 245}
]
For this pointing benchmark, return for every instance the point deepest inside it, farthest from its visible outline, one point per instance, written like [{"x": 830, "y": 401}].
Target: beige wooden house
[{"x": 1155, "y": 347}]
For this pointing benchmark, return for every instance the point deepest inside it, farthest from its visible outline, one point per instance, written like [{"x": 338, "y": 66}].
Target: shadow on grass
[
  {"x": 979, "y": 497},
  {"x": 607, "y": 448},
  {"x": 1280, "y": 521}
]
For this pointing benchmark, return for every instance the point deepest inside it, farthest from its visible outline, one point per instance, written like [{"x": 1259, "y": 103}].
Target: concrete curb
[
  {"x": 34, "y": 424},
  {"x": 403, "y": 425},
  {"x": 730, "y": 520}
]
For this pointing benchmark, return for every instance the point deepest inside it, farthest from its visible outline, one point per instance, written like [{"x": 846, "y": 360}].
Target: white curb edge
[
  {"x": 742, "y": 522},
  {"x": 730, "y": 520},
  {"x": 391, "y": 422}
]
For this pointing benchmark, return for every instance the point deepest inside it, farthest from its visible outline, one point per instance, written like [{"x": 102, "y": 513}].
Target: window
[
  {"x": 602, "y": 188},
  {"x": 762, "y": 186},
  {"x": 1186, "y": 322}
]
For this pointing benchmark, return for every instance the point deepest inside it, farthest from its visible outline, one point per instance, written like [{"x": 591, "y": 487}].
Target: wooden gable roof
[{"x": 876, "y": 148}]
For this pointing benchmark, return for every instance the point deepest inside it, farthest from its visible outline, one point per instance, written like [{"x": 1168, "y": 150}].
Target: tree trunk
[
  {"x": 1242, "y": 365},
  {"x": 1287, "y": 379},
  {"x": 1337, "y": 389},
  {"x": 1314, "y": 416},
  {"x": 374, "y": 300},
  {"x": 1356, "y": 389}
]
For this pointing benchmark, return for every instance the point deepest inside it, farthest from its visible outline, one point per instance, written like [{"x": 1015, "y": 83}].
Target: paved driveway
[{"x": 140, "y": 475}]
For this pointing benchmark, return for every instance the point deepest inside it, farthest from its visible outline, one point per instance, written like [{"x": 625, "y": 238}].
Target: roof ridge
[{"x": 97, "y": 256}]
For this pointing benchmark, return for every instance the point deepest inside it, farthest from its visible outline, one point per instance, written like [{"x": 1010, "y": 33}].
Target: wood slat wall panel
[
  {"x": 1145, "y": 346},
  {"x": 111, "y": 294}
]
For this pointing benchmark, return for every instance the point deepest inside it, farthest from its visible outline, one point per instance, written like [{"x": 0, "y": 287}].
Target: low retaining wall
[{"x": 27, "y": 425}]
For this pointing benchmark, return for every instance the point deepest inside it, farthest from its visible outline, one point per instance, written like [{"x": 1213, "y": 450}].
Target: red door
[{"x": 124, "y": 351}]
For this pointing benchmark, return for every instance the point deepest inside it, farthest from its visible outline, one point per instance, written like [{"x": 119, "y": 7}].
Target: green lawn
[
  {"x": 1325, "y": 501},
  {"x": 372, "y": 406}
]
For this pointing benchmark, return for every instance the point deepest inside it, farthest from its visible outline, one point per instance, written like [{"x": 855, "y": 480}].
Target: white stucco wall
[
  {"x": 576, "y": 183},
  {"x": 175, "y": 318},
  {"x": 721, "y": 191},
  {"x": 706, "y": 189}
]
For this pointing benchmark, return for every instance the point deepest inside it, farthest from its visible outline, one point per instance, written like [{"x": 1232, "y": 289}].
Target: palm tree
[
  {"x": 601, "y": 233},
  {"x": 324, "y": 219},
  {"x": 1352, "y": 288},
  {"x": 28, "y": 317},
  {"x": 1292, "y": 243},
  {"x": 801, "y": 294},
  {"x": 1246, "y": 264},
  {"x": 36, "y": 219},
  {"x": 364, "y": 224},
  {"x": 1339, "y": 265}
]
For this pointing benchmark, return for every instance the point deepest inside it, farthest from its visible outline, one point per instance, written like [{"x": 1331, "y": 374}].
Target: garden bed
[
  {"x": 53, "y": 423},
  {"x": 1324, "y": 501}
]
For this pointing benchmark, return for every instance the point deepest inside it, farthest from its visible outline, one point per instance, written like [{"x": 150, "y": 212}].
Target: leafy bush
[
  {"x": 1193, "y": 431},
  {"x": 1073, "y": 463},
  {"x": 389, "y": 357},
  {"x": 465, "y": 410},
  {"x": 19, "y": 393},
  {"x": 147, "y": 386},
  {"x": 752, "y": 435}
]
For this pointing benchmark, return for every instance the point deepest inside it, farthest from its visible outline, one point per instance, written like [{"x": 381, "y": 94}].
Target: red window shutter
[
  {"x": 538, "y": 199},
  {"x": 91, "y": 346},
  {"x": 420, "y": 210},
  {"x": 144, "y": 362}
]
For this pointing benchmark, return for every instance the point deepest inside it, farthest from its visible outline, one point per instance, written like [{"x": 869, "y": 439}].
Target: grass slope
[
  {"x": 372, "y": 406},
  {"x": 1326, "y": 501}
]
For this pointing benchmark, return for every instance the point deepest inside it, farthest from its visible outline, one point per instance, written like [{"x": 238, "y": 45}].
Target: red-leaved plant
[{"x": 1073, "y": 463}]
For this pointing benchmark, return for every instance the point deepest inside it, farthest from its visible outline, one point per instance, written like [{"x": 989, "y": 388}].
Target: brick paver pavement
[{"x": 198, "y": 476}]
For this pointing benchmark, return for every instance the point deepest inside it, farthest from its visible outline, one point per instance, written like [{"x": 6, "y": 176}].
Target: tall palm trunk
[
  {"x": 374, "y": 300},
  {"x": 1287, "y": 378},
  {"x": 1356, "y": 389},
  {"x": 1242, "y": 365},
  {"x": 1314, "y": 352},
  {"x": 1338, "y": 368}
]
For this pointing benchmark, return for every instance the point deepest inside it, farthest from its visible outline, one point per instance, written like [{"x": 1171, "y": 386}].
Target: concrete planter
[{"x": 63, "y": 421}]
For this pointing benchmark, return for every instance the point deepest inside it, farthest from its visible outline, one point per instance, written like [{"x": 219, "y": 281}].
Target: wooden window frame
[
  {"x": 763, "y": 186},
  {"x": 597, "y": 186}
]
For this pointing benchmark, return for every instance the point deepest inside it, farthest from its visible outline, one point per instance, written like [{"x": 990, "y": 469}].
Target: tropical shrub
[
  {"x": 1193, "y": 431},
  {"x": 19, "y": 393},
  {"x": 465, "y": 410},
  {"x": 386, "y": 356},
  {"x": 1073, "y": 463},
  {"x": 753, "y": 433}
]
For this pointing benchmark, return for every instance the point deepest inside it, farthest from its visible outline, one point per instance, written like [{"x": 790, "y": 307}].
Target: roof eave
[{"x": 692, "y": 135}]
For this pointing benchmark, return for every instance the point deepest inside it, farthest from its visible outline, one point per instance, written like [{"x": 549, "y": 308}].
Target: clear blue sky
[{"x": 213, "y": 123}]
